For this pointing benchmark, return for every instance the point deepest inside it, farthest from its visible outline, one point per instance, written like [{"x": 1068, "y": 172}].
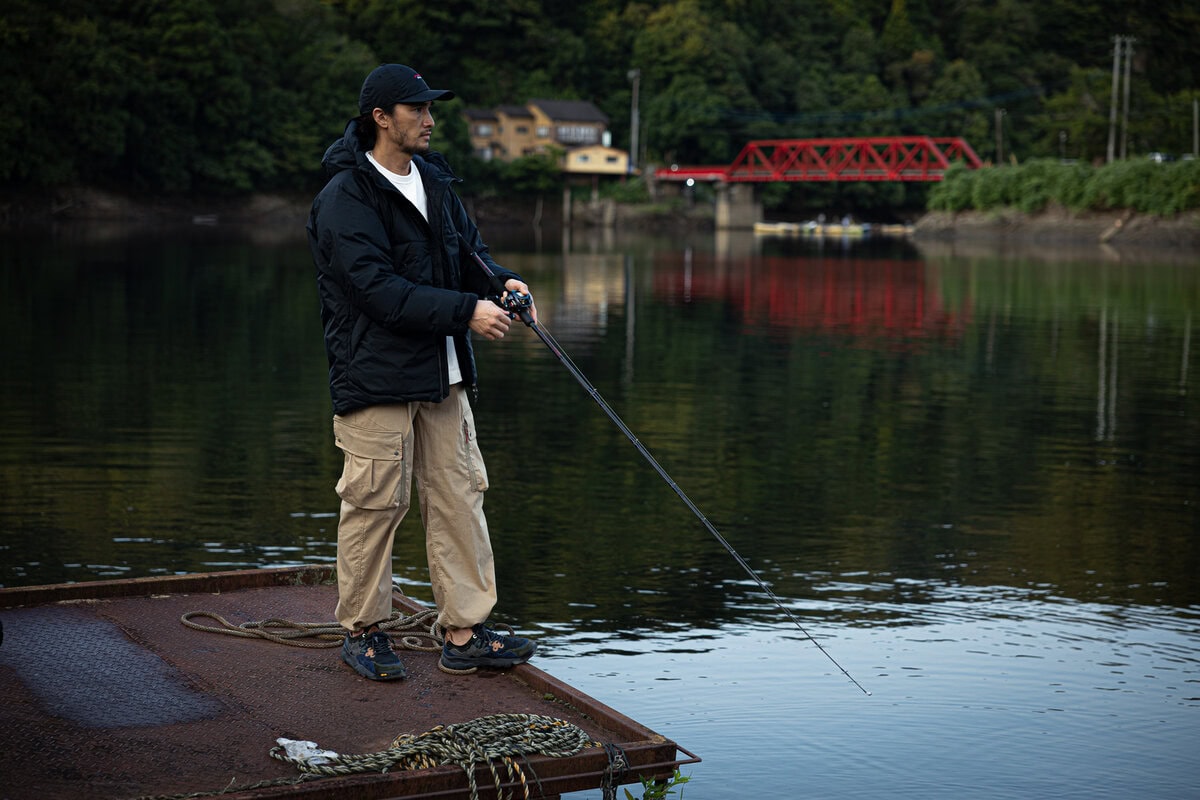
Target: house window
[
  {"x": 483, "y": 130},
  {"x": 522, "y": 129},
  {"x": 543, "y": 131},
  {"x": 584, "y": 158},
  {"x": 611, "y": 159},
  {"x": 577, "y": 134}
]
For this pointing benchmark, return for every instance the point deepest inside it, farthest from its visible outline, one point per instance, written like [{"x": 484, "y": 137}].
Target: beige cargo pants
[{"x": 384, "y": 447}]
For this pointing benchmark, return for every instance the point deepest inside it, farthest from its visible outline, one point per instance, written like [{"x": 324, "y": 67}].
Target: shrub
[
  {"x": 631, "y": 190},
  {"x": 1035, "y": 183},
  {"x": 996, "y": 187},
  {"x": 1146, "y": 186},
  {"x": 953, "y": 192}
]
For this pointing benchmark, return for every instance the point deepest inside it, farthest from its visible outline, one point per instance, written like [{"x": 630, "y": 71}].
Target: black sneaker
[
  {"x": 370, "y": 653},
  {"x": 487, "y": 648}
]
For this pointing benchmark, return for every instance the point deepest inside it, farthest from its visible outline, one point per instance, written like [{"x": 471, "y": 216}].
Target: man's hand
[
  {"x": 514, "y": 285},
  {"x": 489, "y": 320}
]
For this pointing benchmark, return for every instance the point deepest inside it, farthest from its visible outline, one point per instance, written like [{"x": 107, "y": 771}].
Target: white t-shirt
[{"x": 413, "y": 188}]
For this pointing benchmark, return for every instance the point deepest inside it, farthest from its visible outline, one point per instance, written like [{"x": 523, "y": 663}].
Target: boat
[
  {"x": 109, "y": 694},
  {"x": 834, "y": 230}
]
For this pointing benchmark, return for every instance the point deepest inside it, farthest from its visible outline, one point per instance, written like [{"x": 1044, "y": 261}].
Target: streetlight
[{"x": 634, "y": 75}]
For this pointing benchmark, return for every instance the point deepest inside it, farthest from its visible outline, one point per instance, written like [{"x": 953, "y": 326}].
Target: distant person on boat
[{"x": 399, "y": 302}]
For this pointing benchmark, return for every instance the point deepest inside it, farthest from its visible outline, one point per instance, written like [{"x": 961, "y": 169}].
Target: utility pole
[
  {"x": 634, "y": 75},
  {"x": 1000, "y": 112},
  {"x": 1112, "y": 110},
  {"x": 1129, "y": 40},
  {"x": 1116, "y": 83},
  {"x": 1195, "y": 128}
]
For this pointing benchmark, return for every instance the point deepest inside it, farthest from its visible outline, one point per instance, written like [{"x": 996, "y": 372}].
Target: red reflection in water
[{"x": 889, "y": 299}]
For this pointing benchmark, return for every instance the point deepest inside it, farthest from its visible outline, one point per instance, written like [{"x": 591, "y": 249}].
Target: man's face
[{"x": 409, "y": 127}]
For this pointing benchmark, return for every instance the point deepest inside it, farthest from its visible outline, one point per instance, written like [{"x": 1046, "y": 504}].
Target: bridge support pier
[{"x": 737, "y": 206}]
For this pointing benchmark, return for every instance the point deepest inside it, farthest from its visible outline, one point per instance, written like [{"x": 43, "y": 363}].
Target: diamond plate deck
[{"x": 107, "y": 695}]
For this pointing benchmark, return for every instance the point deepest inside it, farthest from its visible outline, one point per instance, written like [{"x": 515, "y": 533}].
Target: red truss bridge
[{"x": 875, "y": 158}]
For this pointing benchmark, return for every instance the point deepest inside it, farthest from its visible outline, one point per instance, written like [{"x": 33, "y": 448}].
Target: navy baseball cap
[{"x": 396, "y": 83}]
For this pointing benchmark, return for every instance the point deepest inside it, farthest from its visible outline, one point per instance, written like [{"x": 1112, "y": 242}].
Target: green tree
[
  {"x": 1074, "y": 123},
  {"x": 239, "y": 95},
  {"x": 73, "y": 93},
  {"x": 533, "y": 175},
  {"x": 953, "y": 99},
  {"x": 693, "y": 68}
]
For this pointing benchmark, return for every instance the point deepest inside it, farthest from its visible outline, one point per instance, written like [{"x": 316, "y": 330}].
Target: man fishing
[{"x": 399, "y": 302}]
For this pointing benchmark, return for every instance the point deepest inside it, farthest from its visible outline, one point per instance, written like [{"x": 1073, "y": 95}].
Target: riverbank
[
  {"x": 1058, "y": 226},
  {"x": 1055, "y": 226}
]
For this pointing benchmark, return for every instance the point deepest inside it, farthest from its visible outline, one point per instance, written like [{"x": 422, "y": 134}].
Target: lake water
[{"x": 972, "y": 474}]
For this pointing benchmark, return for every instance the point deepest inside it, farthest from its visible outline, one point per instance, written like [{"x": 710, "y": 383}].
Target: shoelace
[
  {"x": 508, "y": 644},
  {"x": 381, "y": 642}
]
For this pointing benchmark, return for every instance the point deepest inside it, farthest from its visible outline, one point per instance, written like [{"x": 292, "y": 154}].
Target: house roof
[
  {"x": 515, "y": 111},
  {"x": 571, "y": 110},
  {"x": 479, "y": 113}
]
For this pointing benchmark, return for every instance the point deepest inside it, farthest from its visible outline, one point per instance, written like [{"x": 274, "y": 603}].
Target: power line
[{"x": 888, "y": 113}]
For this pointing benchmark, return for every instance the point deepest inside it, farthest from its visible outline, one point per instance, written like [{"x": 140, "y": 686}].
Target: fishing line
[{"x": 518, "y": 305}]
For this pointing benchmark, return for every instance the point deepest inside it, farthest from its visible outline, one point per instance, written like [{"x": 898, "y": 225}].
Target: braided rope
[
  {"x": 418, "y": 631},
  {"x": 407, "y": 630},
  {"x": 490, "y": 739}
]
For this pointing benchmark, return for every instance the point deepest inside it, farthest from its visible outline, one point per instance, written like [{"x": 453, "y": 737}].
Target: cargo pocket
[
  {"x": 472, "y": 453},
  {"x": 375, "y": 473}
]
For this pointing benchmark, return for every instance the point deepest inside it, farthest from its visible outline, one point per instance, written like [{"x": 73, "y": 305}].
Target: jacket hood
[{"x": 346, "y": 153}]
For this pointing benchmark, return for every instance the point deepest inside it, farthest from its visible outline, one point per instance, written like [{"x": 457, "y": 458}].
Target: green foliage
[
  {"x": 532, "y": 175},
  {"x": 174, "y": 95},
  {"x": 658, "y": 790},
  {"x": 1129, "y": 184},
  {"x": 1142, "y": 185},
  {"x": 632, "y": 190},
  {"x": 241, "y": 95}
]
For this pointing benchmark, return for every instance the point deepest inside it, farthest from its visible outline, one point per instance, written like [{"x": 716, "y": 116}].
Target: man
[{"x": 399, "y": 300}]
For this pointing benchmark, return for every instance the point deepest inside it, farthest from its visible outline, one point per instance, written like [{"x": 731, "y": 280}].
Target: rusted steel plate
[{"x": 107, "y": 695}]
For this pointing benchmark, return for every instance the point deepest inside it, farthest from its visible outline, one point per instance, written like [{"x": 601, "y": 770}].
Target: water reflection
[
  {"x": 863, "y": 298},
  {"x": 973, "y": 473}
]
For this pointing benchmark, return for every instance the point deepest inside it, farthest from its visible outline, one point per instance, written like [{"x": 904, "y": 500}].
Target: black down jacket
[{"x": 393, "y": 286}]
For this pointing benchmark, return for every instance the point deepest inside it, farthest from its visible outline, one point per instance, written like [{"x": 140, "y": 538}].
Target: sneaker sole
[
  {"x": 486, "y": 661},
  {"x": 370, "y": 674}
]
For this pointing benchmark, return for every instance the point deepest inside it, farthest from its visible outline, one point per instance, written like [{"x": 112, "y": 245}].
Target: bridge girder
[{"x": 876, "y": 158}]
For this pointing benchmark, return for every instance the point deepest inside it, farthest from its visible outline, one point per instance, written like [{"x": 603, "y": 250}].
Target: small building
[
  {"x": 575, "y": 128},
  {"x": 597, "y": 160},
  {"x": 516, "y": 132},
  {"x": 568, "y": 123},
  {"x": 484, "y": 125}
]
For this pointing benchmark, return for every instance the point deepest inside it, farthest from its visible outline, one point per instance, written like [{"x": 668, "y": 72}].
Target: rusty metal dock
[{"x": 108, "y": 695}]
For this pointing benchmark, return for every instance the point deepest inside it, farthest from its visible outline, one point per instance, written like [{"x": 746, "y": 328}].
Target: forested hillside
[{"x": 231, "y": 96}]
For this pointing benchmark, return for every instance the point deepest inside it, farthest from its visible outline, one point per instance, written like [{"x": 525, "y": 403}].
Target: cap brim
[{"x": 427, "y": 96}]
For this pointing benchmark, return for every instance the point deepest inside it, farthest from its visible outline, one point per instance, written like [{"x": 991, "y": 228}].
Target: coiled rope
[
  {"x": 407, "y": 630},
  {"x": 418, "y": 631},
  {"x": 495, "y": 740}
]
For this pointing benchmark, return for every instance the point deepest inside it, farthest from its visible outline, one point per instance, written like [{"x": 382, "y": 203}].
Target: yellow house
[
  {"x": 597, "y": 160},
  {"x": 502, "y": 133},
  {"x": 484, "y": 126},
  {"x": 567, "y": 123},
  {"x": 575, "y": 127}
]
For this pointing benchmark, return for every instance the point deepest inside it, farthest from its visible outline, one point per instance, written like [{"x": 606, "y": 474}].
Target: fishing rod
[{"x": 519, "y": 304}]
